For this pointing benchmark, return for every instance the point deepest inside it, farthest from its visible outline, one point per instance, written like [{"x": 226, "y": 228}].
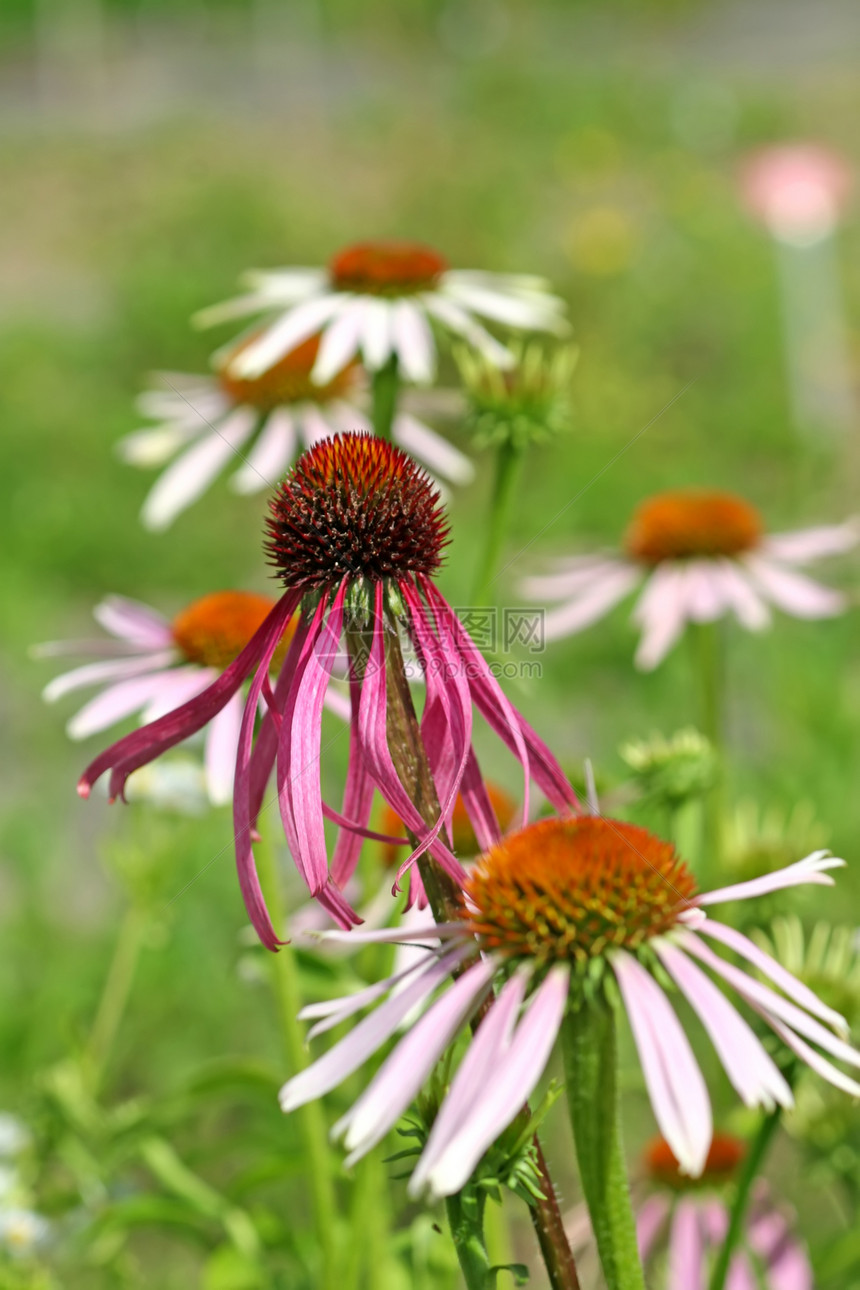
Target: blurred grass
[{"x": 617, "y": 182}]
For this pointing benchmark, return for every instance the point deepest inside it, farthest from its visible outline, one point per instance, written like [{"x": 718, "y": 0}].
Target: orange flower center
[
  {"x": 724, "y": 1156},
  {"x": 569, "y": 890},
  {"x": 287, "y": 381},
  {"x": 464, "y": 841},
  {"x": 693, "y": 522},
  {"x": 211, "y": 631},
  {"x": 386, "y": 268}
]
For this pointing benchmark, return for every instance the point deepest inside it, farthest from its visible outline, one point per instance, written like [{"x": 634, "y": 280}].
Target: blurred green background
[{"x": 150, "y": 153}]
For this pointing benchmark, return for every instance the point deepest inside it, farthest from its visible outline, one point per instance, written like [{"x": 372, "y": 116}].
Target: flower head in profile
[
  {"x": 681, "y": 1224},
  {"x": 701, "y": 555},
  {"x": 381, "y": 300},
  {"x": 356, "y": 533},
  {"x": 263, "y": 421},
  {"x": 563, "y": 912},
  {"x": 148, "y": 665}
]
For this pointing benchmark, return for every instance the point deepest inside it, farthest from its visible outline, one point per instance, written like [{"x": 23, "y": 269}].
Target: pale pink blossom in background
[{"x": 797, "y": 190}]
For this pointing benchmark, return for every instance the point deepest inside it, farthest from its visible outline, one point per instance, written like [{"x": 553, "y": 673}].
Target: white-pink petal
[
  {"x": 267, "y": 460},
  {"x": 413, "y": 341},
  {"x": 340, "y": 342},
  {"x": 598, "y": 599},
  {"x": 114, "y": 704},
  {"x": 115, "y": 669},
  {"x": 134, "y": 622},
  {"x": 433, "y": 450},
  {"x": 661, "y": 611},
  {"x": 803, "y": 546},
  {"x": 222, "y": 743},
  {"x": 812, "y": 869},
  {"x": 191, "y": 474},
  {"x": 793, "y": 592},
  {"x": 686, "y": 1270},
  {"x": 294, "y": 327}
]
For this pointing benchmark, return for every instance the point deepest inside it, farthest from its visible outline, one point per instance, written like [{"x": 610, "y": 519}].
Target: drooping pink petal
[
  {"x": 704, "y": 591},
  {"x": 789, "y": 984},
  {"x": 401, "y": 1077},
  {"x": 181, "y": 685},
  {"x": 333, "y": 1012},
  {"x": 675, "y": 1084},
  {"x": 479, "y": 808},
  {"x": 740, "y": 1275},
  {"x": 427, "y": 934},
  {"x": 793, "y": 592},
  {"x": 367, "y": 1037},
  {"x": 286, "y": 333},
  {"x": 661, "y": 611},
  {"x": 686, "y": 1249},
  {"x": 650, "y": 1217},
  {"x": 488, "y": 1045},
  {"x": 812, "y": 869},
  {"x": 116, "y": 703},
  {"x": 507, "y": 1089},
  {"x": 741, "y": 596},
  {"x": 114, "y": 669},
  {"x": 813, "y": 1059},
  {"x": 357, "y": 798},
  {"x": 752, "y": 1072},
  {"x": 340, "y": 343}
]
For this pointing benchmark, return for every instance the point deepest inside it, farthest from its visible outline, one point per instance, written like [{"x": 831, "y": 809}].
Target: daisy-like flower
[
  {"x": 558, "y": 911},
  {"x": 701, "y": 555},
  {"x": 263, "y": 421},
  {"x": 681, "y": 1224},
  {"x": 150, "y": 665},
  {"x": 379, "y": 299},
  {"x": 356, "y": 533}
]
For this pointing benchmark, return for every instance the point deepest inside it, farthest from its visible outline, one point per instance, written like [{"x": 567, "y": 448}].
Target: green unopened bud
[
  {"x": 670, "y": 772},
  {"x": 522, "y": 404}
]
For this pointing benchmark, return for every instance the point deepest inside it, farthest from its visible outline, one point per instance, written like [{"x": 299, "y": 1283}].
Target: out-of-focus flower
[
  {"x": 263, "y": 422},
  {"x": 356, "y": 533},
  {"x": 682, "y": 1222},
  {"x": 153, "y": 666},
  {"x": 797, "y": 190},
  {"x": 14, "y": 1136},
  {"x": 674, "y": 770},
  {"x": 827, "y": 960},
  {"x": 701, "y": 555},
  {"x": 521, "y": 404},
  {"x": 570, "y": 909},
  {"x": 760, "y": 839},
  {"x": 378, "y": 299},
  {"x": 22, "y": 1232}
]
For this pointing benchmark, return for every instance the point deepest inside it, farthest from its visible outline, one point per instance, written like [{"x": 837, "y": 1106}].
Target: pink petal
[
  {"x": 805, "y": 545},
  {"x": 793, "y": 592},
  {"x": 686, "y": 1269},
  {"x": 366, "y": 1038},
  {"x": 813, "y": 1059},
  {"x": 706, "y": 599},
  {"x": 413, "y": 341},
  {"x": 340, "y": 343},
  {"x": 401, "y": 1077},
  {"x": 432, "y": 450},
  {"x": 222, "y": 743},
  {"x": 650, "y": 1217},
  {"x": 291, "y": 329},
  {"x": 740, "y": 1274},
  {"x": 661, "y": 611},
  {"x": 194, "y": 470},
  {"x": 115, "y": 703},
  {"x": 357, "y": 799},
  {"x": 181, "y": 685},
  {"x": 812, "y": 869},
  {"x": 507, "y": 1089},
  {"x": 789, "y": 984},
  {"x": 747, "y": 1064},
  {"x": 675, "y": 1084},
  {"x": 115, "y": 669},
  {"x": 134, "y": 622},
  {"x": 741, "y": 597},
  {"x": 594, "y": 602},
  {"x": 271, "y": 454},
  {"x": 574, "y": 576}
]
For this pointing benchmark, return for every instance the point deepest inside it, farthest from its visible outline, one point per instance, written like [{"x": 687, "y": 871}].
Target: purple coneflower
[
  {"x": 570, "y": 913},
  {"x": 205, "y": 421},
  {"x": 378, "y": 299},
  {"x": 356, "y": 533},
  {"x": 701, "y": 555},
  {"x": 153, "y": 664}
]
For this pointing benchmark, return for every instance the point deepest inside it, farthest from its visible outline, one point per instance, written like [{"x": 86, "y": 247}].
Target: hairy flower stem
[
  {"x": 710, "y": 664},
  {"x": 384, "y": 389},
  {"x": 589, "y": 1045},
  {"x": 465, "y": 1212},
  {"x": 751, "y": 1167},
  {"x": 509, "y": 458},
  {"x": 312, "y": 1125},
  {"x": 413, "y": 768}
]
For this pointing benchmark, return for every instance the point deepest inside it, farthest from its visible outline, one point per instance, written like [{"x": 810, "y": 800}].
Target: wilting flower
[
  {"x": 797, "y": 190},
  {"x": 681, "y": 1224},
  {"x": 262, "y": 421},
  {"x": 560, "y": 911},
  {"x": 356, "y": 534},
  {"x": 153, "y": 665},
  {"x": 378, "y": 299},
  {"x": 701, "y": 556}
]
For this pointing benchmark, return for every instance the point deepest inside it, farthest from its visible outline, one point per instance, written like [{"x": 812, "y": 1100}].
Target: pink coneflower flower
[
  {"x": 691, "y": 1218},
  {"x": 263, "y": 421},
  {"x": 701, "y": 555},
  {"x": 681, "y": 1224},
  {"x": 556, "y": 910},
  {"x": 153, "y": 665},
  {"x": 379, "y": 299},
  {"x": 797, "y": 190},
  {"x": 356, "y": 533}
]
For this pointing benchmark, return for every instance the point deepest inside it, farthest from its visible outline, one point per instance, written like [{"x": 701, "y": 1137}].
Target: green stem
[
  {"x": 115, "y": 994},
  {"x": 748, "y": 1175},
  {"x": 385, "y": 384},
  {"x": 508, "y": 460},
  {"x": 465, "y": 1212},
  {"x": 710, "y": 664},
  {"x": 589, "y": 1046},
  {"x": 312, "y": 1125}
]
